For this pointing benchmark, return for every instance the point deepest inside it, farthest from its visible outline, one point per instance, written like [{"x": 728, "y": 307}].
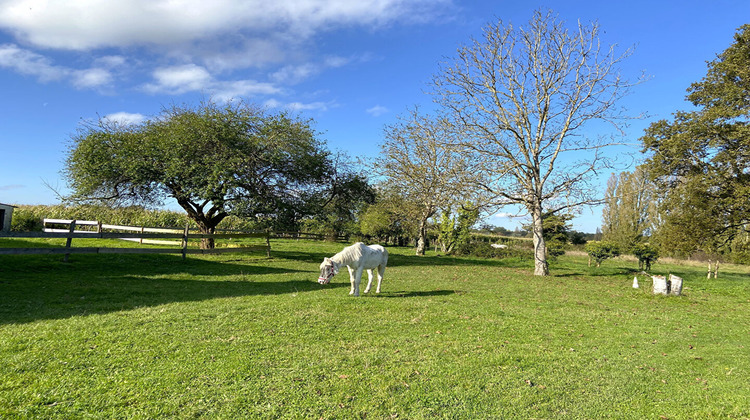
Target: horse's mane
[{"x": 349, "y": 254}]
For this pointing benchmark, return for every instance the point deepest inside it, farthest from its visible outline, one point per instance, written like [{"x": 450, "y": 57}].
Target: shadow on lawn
[
  {"x": 419, "y": 293},
  {"x": 42, "y": 287},
  {"x": 398, "y": 260}
]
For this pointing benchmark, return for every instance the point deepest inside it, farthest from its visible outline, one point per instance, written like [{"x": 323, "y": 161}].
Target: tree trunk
[
  {"x": 422, "y": 240},
  {"x": 207, "y": 243},
  {"x": 206, "y": 222},
  {"x": 541, "y": 268},
  {"x": 708, "y": 276}
]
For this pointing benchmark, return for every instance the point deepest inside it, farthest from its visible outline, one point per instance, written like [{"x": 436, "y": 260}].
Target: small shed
[{"x": 6, "y": 214}]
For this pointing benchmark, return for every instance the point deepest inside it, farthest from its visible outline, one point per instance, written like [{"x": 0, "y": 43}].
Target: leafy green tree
[
  {"x": 467, "y": 217},
  {"x": 630, "y": 209},
  {"x": 646, "y": 254},
  {"x": 701, "y": 158},
  {"x": 456, "y": 232},
  {"x": 447, "y": 232},
  {"x": 389, "y": 217},
  {"x": 557, "y": 231},
  {"x": 213, "y": 160},
  {"x": 335, "y": 210},
  {"x": 600, "y": 251}
]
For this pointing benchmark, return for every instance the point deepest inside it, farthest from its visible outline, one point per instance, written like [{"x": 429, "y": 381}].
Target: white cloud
[
  {"x": 91, "y": 24},
  {"x": 11, "y": 187},
  {"x": 126, "y": 118},
  {"x": 227, "y": 90},
  {"x": 30, "y": 63},
  {"x": 312, "y": 106},
  {"x": 190, "y": 45},
  {"x": 179, "y": 79},
  {"x": 176, "y": 80},
  {"x": 91, "y": 78},
  {"x": 378, "y": 110},
  {"x": 293, "y": 74},
  {"x": 110, "y": 61},
  {"x": 506, "y": 215},
  {"x": 300, "y": 106}
]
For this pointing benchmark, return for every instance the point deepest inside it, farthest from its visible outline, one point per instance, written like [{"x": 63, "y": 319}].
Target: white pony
[{"x": 357, "y": 258}]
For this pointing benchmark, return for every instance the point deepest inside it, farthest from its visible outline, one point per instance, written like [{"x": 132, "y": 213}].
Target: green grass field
[{"x": 243, "y": 336}]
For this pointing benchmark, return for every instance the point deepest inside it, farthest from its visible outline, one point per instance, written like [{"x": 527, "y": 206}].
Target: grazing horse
[{"x": 357, "y": 258}]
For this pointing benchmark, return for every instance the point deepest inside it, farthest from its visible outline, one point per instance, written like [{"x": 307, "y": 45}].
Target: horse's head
[{"x": 328, "y": 269}]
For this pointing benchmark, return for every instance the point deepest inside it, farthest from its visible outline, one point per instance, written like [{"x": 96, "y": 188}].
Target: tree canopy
[
  {"x": 701, "y": 158},
  {"x": 213, "y": 160}
]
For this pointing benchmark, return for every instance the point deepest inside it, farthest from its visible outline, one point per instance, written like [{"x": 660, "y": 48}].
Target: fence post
[
  {"x": 268, "y": 244},
  {"x": 69, "y": 241},
  {"x": 185, "y": 242}
]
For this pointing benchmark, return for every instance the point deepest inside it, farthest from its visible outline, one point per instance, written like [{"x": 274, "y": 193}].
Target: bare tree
[
  {"x": 522, "y": 97},
  {"x": 415, "y": 160}
]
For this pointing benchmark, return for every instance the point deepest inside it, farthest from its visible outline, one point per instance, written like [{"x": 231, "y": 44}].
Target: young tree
[
  {"x": 600, "y": 251},
  {"x": 557, "y": 231},
  {"x": 701, "y": 159},
  {"x": 646, "y": 254},
  {"x": 390, "y": 217},
  {"x": 522, "y": 97},
  {"x": 414, "y": 159},
  {"x": 213, "y": 160},
  {"x": 455, "y": 233}
]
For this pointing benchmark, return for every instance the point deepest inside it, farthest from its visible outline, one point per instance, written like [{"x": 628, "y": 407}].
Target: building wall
[{"x": 6, "y": 214}]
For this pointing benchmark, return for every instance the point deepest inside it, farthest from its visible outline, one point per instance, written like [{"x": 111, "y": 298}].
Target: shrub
[
  {"x": 646, "y": 255},
  {"x": 601, "y": 250},
  {"x": 25, "y": 221}
]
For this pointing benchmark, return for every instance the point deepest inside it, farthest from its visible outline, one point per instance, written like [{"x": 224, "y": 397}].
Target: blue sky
[{"x": 352, "y": 66}]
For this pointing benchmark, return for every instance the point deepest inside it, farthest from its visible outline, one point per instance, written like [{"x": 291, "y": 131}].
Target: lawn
[{"x": 243, "y": 336}]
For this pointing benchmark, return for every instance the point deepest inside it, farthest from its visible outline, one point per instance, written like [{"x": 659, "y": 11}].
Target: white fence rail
[{"x": 142, "y": 235}]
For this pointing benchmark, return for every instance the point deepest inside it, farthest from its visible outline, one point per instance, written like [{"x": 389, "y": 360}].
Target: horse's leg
[
  {"x": 357, "y": 280},
  {"x": 351, "y": 280},
  {"x": 381, "y": 274},
  {"x": 369, "y": 280}
]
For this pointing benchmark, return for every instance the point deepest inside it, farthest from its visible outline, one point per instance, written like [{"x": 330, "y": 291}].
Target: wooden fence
[{"x": 96, "y": 230}]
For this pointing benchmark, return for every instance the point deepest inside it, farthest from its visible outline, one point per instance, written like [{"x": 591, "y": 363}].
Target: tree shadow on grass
[
  {"x": 600, "y": 272},
  {"x": 398, "y": 260},
  {"x": 42, "y": 287},
  {"x": 424, "y": 293}
]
